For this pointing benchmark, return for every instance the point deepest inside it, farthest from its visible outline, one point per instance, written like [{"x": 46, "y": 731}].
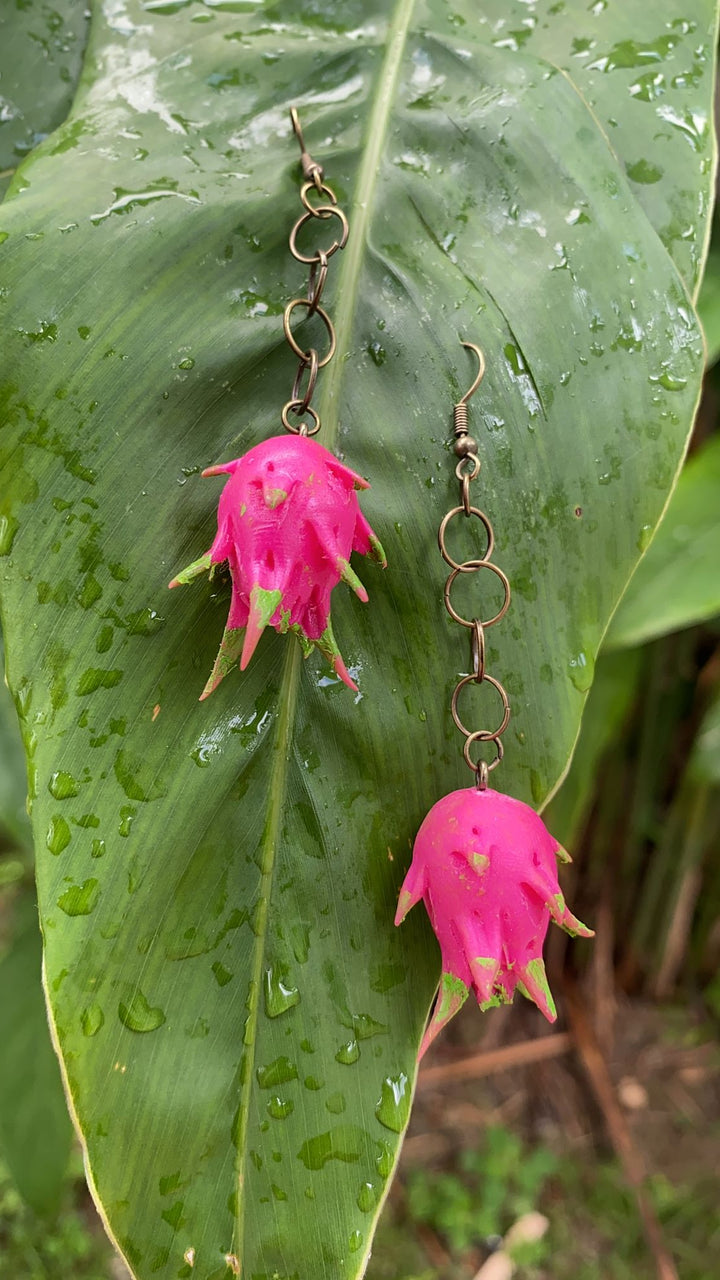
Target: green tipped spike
[
  {"x": 349, "y": 576},
  {"x": 376, "y": 550},
  {"x": 328, "y": 647},
  {"x": 193, "y": 571},
  {"x": 263, "y": 605},
  {"x": 451, "y": 996},
  {"x": 228, "y": 657},
  {"x": 562, "y": 915},
  {"x": 535, "y": 987}
]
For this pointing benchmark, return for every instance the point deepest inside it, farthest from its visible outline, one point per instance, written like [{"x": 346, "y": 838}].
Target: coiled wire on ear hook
[{"x": 460, "y": 410}]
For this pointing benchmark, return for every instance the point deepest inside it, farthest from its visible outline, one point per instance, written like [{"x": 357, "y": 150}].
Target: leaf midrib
[{"x": 361, "y": 209}]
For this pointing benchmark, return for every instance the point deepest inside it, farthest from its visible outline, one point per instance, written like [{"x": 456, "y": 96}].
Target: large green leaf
[{"x": 236, "y": 1016}]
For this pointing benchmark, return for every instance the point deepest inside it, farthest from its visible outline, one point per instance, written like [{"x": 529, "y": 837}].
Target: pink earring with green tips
[{"x": 484, "y": 864}]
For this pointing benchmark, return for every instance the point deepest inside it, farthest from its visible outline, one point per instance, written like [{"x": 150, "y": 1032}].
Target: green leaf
[
  {"x": 677, "y": 582},
  {"x": 708, "y": 305},
  {"x": 35, "y": 1131},
  {"x": 41, "y": 51},
  {"x": 237, "y": 1017},
  {"x": 704, "y": 763},
  {"x": 606, "y": 709}
]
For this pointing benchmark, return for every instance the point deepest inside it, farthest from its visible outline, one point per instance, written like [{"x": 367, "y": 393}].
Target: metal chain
[
  {"x": 467, "y": 470},
  {"x": 299, "y": 405}
]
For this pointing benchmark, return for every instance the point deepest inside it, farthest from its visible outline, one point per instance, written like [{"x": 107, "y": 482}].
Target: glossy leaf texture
[
  {"x": 237, "y": 1018},
  {"x": 644, "y": 72},
  {"x": 41, "y": 54}
]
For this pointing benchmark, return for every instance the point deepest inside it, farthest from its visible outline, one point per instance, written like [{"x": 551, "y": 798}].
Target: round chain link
[
  {"x": 481, "y": 735},
  {"x": 301, "y": 428},
  {"x": 322, "y": 189},
  {"x": 467, "y": 566},
  {"x": 323, "y": 212},
  {"x": 474, "y": 566}
]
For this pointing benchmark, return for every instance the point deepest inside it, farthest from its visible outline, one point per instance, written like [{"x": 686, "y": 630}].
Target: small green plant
[
  {"x": 70, "y": 1246},
  {"x": 495, "y": 1184}
]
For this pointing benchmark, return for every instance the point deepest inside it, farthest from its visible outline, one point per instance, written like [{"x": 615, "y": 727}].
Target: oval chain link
[
  {"x": 467, "y": 469},
  {"x": 306, "y": 419}
]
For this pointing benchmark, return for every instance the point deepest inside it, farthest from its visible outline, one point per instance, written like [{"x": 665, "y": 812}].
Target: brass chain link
[
  {"x": 467, "y": 470},
  {"x": 299, "y": 405}
]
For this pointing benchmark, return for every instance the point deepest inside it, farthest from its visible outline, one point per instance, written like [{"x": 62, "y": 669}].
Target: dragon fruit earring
[
  {"x": 484, "y": 863},
  {"x": 289, "y": 517}
]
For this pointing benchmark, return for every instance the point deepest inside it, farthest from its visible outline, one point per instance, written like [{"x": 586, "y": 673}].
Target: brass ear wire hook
[
  {"x": 312, "y": 171},
  {"x": 465, "y": 445},
  {"x": 460, "y": 412}
]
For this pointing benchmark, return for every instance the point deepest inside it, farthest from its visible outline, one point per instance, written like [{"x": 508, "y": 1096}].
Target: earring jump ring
[
  {"x": 477, "y": 768},
  {"x": 295, "y": 406},
  {"x": 469, "y": 566},
  {"x": 323, "y": 212},
  {"x": 481, "y": 735}
]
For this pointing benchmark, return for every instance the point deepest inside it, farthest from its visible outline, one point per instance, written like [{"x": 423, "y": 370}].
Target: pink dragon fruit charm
[
  {"x": 288, "y": 519},
  {"x": 485, "y": 865}
]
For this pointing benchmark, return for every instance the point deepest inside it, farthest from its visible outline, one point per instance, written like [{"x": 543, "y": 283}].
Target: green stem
[
  {"x": 678, "y": 882},
  {"x": 268, "y": 846}
]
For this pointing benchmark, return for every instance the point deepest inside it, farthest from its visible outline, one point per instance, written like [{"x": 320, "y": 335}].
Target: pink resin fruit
[
  {"x": 288, "y": 519},
  {"x": 486, "y": 866}
]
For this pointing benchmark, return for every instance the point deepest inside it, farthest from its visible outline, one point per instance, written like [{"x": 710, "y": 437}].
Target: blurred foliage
[
  {"x": 33, "y": 1114},
  {"x": 677, "y": 583},
  {"x": 68, "y": 1246},
  {"x": 708, "y": 305},
  {"x": 594, "y": 1232},
  {"x": 494, "y": 1185},
  {"x": 15, "y": 834}
]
